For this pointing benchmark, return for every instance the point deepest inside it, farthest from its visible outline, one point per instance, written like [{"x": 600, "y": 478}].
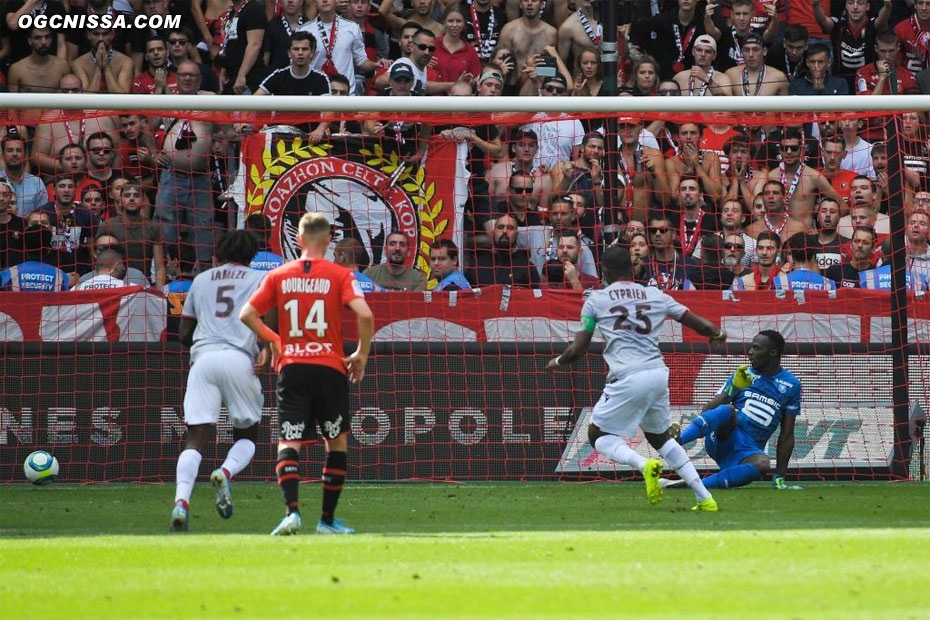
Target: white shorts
[
  {"x": 637, "y": 400},
  {"x": 223, "y": 376}
]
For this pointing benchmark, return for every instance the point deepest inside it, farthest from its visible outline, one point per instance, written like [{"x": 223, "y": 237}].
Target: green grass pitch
[{"x": 560, "y": 550}]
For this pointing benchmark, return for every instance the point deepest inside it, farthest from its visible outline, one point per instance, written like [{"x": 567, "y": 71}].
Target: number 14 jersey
[
  {"x": 309, "y": 296},
  {"x": 630, "y": 317}
]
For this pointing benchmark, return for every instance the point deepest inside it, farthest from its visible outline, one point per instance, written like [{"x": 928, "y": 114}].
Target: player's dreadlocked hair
[
  {"x": 238, "y": 246},
  {"x": 777, "y": 340}
]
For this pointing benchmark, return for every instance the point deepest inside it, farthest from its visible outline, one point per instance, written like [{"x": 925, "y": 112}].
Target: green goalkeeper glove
[
  {"x": 778, "y": 482},
  {"x": 742, "y": 379}
]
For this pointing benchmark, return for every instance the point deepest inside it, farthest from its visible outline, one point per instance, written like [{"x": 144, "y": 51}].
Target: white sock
[
  {"x": 676, "y": 456},
  {"x": 616, "y": 449},
  {"x": 239, "y": 457},
  {"x": 188, "y": 464}
]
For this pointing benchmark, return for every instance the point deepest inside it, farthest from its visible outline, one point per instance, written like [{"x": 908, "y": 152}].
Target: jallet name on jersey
[
  {"x": 306, "y": 285},
  {"x": 626, "y": 293},
  {"x": 227, "y": 274}
]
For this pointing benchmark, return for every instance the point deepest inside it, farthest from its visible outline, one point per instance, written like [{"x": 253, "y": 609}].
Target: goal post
[{"x": 456, "y": 387}]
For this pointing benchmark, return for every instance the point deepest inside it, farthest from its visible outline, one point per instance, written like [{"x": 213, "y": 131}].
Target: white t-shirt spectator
[
  {"x": 99, "y": 282},
  {"x": 556, "y": 140},
  {"x": 858, "y": 158},
  {"x": 348, "y": 49}
]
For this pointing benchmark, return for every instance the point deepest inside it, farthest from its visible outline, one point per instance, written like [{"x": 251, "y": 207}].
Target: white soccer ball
[{"x": 40, "y": 467}]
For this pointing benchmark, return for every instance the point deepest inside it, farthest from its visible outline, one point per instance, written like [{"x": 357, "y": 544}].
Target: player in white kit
[
  {"x": 224, "y": 359},
  {"x": 630, "y": 317}
]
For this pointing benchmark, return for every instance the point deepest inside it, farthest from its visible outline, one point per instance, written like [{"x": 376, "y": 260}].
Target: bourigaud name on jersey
[
  {"x": 620, "y": 294},
  {"x": 306, "y": 285},
  {"x": 228, "y": 274}
]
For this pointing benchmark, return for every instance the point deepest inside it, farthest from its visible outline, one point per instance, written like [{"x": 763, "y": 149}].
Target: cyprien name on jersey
[{"x": 627, "y": 293}]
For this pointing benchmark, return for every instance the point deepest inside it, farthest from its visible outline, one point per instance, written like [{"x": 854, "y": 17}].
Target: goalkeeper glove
[
  {"x": 778, "y": 482},
  {"x": 742, "y": 379}
]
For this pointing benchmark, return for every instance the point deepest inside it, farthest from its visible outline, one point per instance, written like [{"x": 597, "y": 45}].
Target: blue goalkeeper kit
[{"x": 759, "y": 410}]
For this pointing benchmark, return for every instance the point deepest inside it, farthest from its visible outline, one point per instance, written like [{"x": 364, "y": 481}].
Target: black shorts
[{"x": 309, "y": 396}]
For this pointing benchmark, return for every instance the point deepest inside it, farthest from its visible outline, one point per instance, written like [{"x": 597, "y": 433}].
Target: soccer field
[{"x": 469, "y": 551}]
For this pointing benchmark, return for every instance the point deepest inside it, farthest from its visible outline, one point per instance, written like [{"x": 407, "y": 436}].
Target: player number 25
[
  {"x": 624, "y": 323},
  {"x": 316, "y": 319}
]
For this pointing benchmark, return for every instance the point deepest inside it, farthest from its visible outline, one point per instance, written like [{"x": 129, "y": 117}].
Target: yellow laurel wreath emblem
[
  {"x": 263, "y": 176},
  {"x": 432, "y": 224}
]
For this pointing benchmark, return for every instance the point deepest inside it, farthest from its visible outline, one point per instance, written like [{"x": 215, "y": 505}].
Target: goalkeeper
[{"x": 739, "y": 421}]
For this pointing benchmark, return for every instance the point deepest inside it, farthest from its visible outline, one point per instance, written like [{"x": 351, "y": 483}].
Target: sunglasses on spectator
[
  {"x": 790, "y": 147},
  {"x": 552, "y": 88},
  {"x": 660, "y": 229},
  {"x": 426, "y": 48},
  {"x": 734, "y": 246},
  {"x": 177, "y": 41},
  {"x": 522, "y": 190},
  {"x": 668, "y": 92}
]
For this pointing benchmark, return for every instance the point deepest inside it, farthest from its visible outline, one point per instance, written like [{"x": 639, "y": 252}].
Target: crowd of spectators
[{"x": 109, "y": 201}]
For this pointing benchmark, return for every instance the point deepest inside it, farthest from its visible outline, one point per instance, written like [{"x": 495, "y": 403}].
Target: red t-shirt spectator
[
  {"x": 801, "y": 13},
  {"x": 144, "y": 84},
  {"x": 867, "y": 78},
  {"x": 452, "y": 65},
  {"x": 915, "y": 44}
]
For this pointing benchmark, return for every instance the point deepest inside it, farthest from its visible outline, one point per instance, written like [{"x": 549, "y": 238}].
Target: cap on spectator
[
  {"x": 5, "y": 182},
  {"x": 558, "y": 77},
  {"x": 627, "y": 120},
  {"x": 706, "y": 39},
  {"x": 401, "y": 71},
  {"x": 490, "y": 75},
  {"x": 753, "y": 37}
]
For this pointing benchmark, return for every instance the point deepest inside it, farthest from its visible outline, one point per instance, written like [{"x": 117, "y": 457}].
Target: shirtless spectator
[
  {"x": 703, "y": 79},
  {"x": 762, "y": 278},
  {"x": 51, "y": 138},
  {"x": 527, "y": 37},
  {"x": 522, "y": 146},
  {"x": 743, "y": 179},
  {"x": 103, "y": 69},
  {"x": 775, "y": 219},
  {"x": 40, "y": 71},
  {"x": 755, "y": 78},
  {"x": 690, "y": 160},
  {"x": 422, "y": 15},
  {"x": 803, "y": 184},
  {"x": 580, "y": 30}
]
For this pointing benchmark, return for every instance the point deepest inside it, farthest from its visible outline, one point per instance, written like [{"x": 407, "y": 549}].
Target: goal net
[{"x": 478, "y": 229}]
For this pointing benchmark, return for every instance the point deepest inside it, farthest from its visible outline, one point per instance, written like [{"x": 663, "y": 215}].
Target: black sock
[
  {"x": 334, "y": 477},
  {"x": 288, "y": 471}
]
